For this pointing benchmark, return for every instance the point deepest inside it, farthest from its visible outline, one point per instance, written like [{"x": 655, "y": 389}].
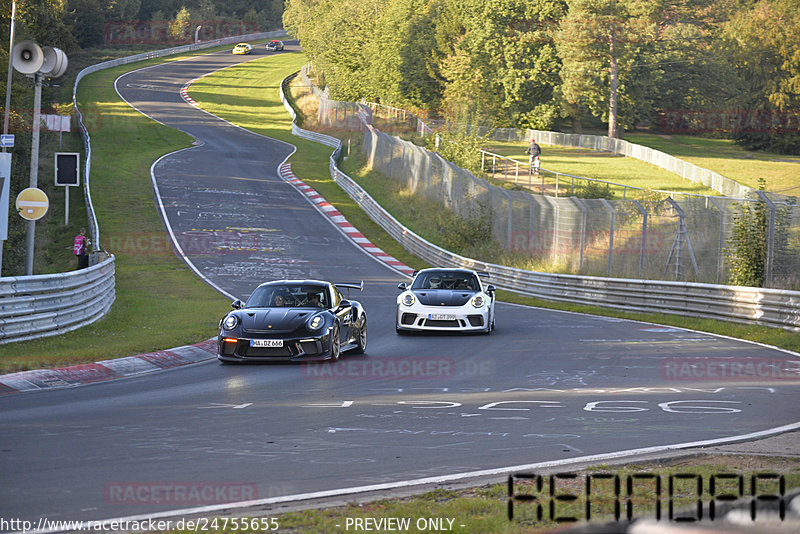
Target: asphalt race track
[{"x": 546, "y": 386}]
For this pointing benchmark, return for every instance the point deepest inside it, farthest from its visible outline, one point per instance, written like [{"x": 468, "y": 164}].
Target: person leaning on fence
[
  {"x": 534, "y": 151},
  {"x": 80, "y": 247}
]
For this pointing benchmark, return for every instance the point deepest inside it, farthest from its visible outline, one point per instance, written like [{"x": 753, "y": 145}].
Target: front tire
[
  {"x": 489, "y": 328},
  {"x": 335, "y": 343},
  {"x": 361, "y": 347}
]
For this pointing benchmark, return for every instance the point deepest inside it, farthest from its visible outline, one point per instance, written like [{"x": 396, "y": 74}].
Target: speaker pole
[
  {"x": 8, "y": 98},
  {"x": 34, "y": 182},
  {"x": 10, "y": 71}
]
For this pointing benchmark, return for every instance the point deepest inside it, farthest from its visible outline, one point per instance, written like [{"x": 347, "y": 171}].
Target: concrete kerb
[{"x": 88, "y": 373}]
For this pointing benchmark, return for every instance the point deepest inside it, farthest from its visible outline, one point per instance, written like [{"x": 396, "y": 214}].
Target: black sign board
[{"x": 68, "y": 168}]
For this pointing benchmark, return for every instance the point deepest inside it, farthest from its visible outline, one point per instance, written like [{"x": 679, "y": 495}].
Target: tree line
[
  {"x": 719, "y": 67},
  {"x": 73, "y": 24}
]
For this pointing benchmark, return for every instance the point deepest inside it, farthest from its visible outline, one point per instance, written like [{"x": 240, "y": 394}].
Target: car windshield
[
  {"x": 289, "y": 296},
  {"x": 453, "y": 280}
]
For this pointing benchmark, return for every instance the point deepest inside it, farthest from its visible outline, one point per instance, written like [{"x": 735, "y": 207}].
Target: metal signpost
[{"x": 67, "y": 175}]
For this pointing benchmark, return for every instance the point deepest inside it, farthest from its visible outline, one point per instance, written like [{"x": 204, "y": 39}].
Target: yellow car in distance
[{"x": 242, "y": 48}]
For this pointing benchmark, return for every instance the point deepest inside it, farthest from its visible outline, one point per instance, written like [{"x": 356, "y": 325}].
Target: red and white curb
[
  {"x": 185, "y": 92},
  {"x": 339, "y": 220},
  {"x": 88, "y": 373}
]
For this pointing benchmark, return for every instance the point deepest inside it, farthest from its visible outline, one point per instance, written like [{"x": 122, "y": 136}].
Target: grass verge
[
  {"x": 485, "y": 509},
  {"x": 781, "y": 172},
  {"x": 603, "y": 166}
]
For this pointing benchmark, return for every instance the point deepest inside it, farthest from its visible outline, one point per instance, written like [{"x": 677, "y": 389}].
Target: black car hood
[
  {"x": 274, "y": 319},
  {"x": 443, "y": 297}
]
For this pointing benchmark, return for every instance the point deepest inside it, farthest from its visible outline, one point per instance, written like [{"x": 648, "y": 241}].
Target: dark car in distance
[
  {"x": 293, "y": 320},
  {"x": 275, "y": 45}
]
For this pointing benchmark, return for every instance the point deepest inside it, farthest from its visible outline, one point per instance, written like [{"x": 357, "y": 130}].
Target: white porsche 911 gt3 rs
[{"x": 445, "y": 300}]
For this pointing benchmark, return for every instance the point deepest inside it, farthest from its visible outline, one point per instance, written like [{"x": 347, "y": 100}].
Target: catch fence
[{"x": 645, "y": 235}]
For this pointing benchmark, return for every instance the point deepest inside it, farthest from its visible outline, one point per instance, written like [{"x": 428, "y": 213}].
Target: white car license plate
[
  {"x": 266, "y": 342},
  {"x": 441, "y": 317}
]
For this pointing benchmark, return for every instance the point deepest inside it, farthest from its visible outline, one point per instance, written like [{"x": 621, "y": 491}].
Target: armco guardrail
[
  {"x": 50, "y": 304},
  {"x": 37, "y": 306},
  {"x": 772, "y": 307}
]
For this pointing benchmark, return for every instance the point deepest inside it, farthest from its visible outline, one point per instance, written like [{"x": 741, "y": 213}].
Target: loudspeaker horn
[
  {"x": 27, "y": 57},
  {"x": 55, "y": 62}
]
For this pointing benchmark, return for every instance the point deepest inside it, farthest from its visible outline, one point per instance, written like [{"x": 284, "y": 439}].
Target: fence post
[
  {"x": 723, "y": 216},
  {"x": 677, "y": 245},
  {"x": 531, "y": 222},
  {"x": 583, "y": 208},
  {"x": 613, "y": 213},
  {"x": 556, "y": 212},
  {"x": 644, "y": 235},
  {"x": 509, "y": 221}
]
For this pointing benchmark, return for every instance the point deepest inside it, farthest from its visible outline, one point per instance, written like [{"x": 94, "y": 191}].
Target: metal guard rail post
[
  {"x": 43, "y": 305},
  {"x": 748, "y": 305}
]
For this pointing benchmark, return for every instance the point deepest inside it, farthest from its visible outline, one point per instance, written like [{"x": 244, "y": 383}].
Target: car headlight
[
  {"x": 316, "y": 322},
  {"x": 478, "y": 301},
  {"x": 230, "y": 322},
  {"x": 408, "y": 299}
]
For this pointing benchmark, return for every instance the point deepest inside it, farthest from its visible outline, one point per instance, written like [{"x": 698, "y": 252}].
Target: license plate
[
  {"x": 441, "y": 317},
  {"x": 266, "y": 343}
]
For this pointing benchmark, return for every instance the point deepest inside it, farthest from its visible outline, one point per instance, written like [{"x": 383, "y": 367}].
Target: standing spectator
[
  {"x": 80, "y": 247},
  {"x": 534, "y": 151}
]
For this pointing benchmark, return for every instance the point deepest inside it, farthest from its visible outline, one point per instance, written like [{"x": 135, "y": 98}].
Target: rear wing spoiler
[{"x": 350, "y": 285}]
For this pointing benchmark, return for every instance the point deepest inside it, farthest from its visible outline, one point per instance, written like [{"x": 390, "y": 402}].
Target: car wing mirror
[
  {"x": 491, "y": 289},
  {"x": 402, "y": 286},
  {"x": 237, "y": 304},
  {"x": 344, "y": 303}
]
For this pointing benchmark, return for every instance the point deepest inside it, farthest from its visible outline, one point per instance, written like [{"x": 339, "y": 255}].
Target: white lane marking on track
[{"x": 441, "y": 479}]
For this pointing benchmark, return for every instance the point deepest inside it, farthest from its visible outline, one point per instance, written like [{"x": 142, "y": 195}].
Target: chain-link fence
[{"x": 646, "y": 236}]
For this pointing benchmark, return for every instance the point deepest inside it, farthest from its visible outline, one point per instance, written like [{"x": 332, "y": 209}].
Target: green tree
[
  {"x": 85, "y": 20},
  {"x": 179, "y": 26},
  {"x": 499, "y": 63},
  {"x": 598, "y": 42},
  {"x": 400, "y": 55},
  {"x": 43, "y": 22},
  {"x": 205, "y": 10},
  {"x": 747, "y": 246},
  {"x": 335, "y": 36},
  {"x": 765, "y": 42},
  {"x": 121, "y": 9}
]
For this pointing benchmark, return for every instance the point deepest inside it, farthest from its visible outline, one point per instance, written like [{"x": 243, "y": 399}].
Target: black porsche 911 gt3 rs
[{"x": 293, "y": 320}]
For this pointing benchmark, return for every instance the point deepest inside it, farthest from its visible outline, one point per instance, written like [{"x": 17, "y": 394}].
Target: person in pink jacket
[{"x": 80, "y": 247}]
